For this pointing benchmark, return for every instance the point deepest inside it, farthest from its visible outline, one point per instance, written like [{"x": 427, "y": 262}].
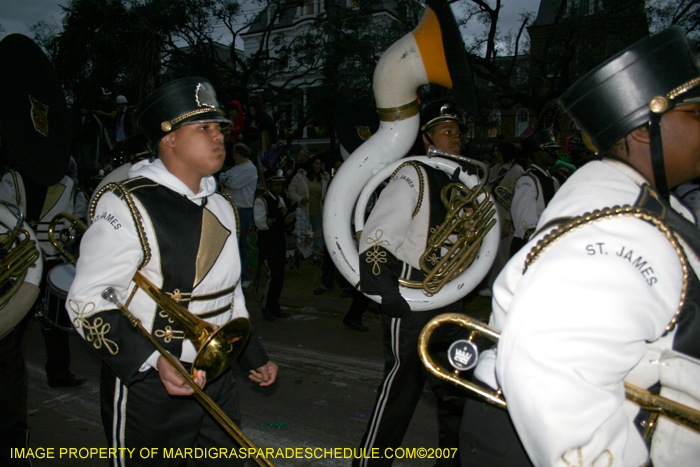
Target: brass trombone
[
  {"x": 217, "y": 346},
  {"x": 658, "y": 405}
]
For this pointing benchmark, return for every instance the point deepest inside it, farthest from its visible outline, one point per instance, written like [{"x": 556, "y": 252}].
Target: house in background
[
  {"x": 567, "y": 39},
  {"x": 296, "y": 19}
]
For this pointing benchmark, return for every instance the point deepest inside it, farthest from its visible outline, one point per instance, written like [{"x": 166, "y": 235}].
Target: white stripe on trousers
[
  {"x": 386, "y": 389},
  {"x": 119, "y": 420}
]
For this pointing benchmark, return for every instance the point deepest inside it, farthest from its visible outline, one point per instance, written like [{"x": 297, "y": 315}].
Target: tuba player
[{"x": 394, "y": 237}]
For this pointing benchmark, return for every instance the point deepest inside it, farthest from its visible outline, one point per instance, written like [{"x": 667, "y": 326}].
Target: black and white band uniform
[
  {"x": 608, "y": 302},
  {"x": 393, "y": 239},
  {"x": 185, "y": 242},
  {"x": 534, "y": 189}
]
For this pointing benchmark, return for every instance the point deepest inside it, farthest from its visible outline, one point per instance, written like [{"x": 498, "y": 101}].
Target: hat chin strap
[{"x": 657, "y": 154}]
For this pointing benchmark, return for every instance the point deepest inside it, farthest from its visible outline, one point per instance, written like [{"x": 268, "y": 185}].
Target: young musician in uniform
[
  {"x": 167, "y": 222},
  {"x": 273, "y": 214},
  {"x": 394, "y": 237},
  {"x": 604, "y": 300},
  {"x": 535, "y": 188}
]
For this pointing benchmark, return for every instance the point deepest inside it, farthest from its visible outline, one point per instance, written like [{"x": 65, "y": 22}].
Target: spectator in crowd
[
  {"x": 259, "y": 131},
  {"x": 240, "y": 182},
  {"x": 124, "y": 121},
  {"x": 308, "y": 188}
]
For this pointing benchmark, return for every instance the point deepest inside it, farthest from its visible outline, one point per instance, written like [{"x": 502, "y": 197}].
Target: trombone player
[
  {"x": 610, "y": 297},
  {"x": 168, "y": 223}
]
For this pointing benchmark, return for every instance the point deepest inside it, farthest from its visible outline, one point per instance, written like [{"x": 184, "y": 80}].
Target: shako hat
[
  {"x": 274, "y": 175},
  {"x": 180, "y": 102},
  {"x": 652, "y": 76},
  {"x": 633, "y": 88},
  {"x": 34, "y": 118},
  {"x": 440, "y": 111},
  {"x": 543, "y": 139}
]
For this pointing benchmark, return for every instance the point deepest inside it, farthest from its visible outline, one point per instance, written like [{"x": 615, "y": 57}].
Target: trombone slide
[{"x": 209, "y": 405}]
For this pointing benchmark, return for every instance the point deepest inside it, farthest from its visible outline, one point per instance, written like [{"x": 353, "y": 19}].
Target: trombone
[
  {"x": 217, "y": 346},
  {"x": 468, "y": 356}
]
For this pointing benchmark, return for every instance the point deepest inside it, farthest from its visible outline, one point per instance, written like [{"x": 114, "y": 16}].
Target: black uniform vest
[
  {"x": 272, "y": 242},
  {"x": 177, "y": 223}
]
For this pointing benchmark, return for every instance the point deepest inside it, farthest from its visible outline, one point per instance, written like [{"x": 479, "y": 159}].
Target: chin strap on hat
[{"x": 657, "y": 154}]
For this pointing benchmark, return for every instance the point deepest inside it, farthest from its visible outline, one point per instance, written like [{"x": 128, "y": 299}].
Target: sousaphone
[{"x": 432, "y": 53}]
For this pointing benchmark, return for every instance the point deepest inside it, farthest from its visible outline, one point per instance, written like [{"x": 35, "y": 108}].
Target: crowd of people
[{"x": 611, "y": 298}]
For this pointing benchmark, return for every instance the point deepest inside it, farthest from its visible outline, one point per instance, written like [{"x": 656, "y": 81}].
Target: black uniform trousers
[
  {"x": 488, "y": 437},
  {"x": 273, "y": 289},
  {"x": 14, "y": 431},
  {"x": 129, "y": 415},
  {"x": 404, "y": 379},
  {"x": 56, "y": 340}
]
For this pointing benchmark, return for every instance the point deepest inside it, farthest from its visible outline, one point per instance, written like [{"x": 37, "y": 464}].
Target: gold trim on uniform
[
  {"x": 212, "y": 241},
  {"x": 96, "y": 331},
  {"x": 683, "y": 88},
  {"x": 376, "y": 256},
  {"x": 416, "y": 166},
  {"x": 168, "y": 334},
  {"x": 580, "y": 458}
]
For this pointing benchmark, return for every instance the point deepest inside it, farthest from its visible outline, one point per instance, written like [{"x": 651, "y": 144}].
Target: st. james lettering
[
  {"x": 628, "y": 255},
  {"x": 113, "y": 221}
]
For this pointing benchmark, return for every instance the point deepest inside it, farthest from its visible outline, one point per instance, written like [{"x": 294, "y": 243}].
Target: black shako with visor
[
  {"x": 178, "y": 103},
  {"x": 634, "y": 88},
  {"x": 440, "y": 111},
  {"x": 540, "y": 140}
]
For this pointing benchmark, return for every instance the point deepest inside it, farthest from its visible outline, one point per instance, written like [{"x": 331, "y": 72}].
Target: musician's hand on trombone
[
  {"x": 265, "y": 375},
  {"x": 175, "y": 384}
]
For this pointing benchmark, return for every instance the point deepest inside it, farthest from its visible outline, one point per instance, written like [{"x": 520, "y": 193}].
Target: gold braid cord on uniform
[
  {"x": 615, "y": 212},
  {"x": 124, "y": 194}
]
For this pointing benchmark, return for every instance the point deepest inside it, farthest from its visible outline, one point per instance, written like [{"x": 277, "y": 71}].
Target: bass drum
[{"x": 19, "y": 288}]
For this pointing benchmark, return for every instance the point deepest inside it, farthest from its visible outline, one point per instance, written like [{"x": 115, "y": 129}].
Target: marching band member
[
  {"x": 168, "y": 222},
  {"x": 394, "y": 237},
  {"x": 535, "y": 188},
  {"x": 273, "y": 214},
  {"x": 604, "y": 299}
]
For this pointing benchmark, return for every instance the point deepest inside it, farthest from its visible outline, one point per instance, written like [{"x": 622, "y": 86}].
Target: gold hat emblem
[{"x": 40, "y": 116}]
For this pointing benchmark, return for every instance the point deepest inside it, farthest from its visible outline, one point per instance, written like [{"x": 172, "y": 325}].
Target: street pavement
[{"x": 323, "y": 395}]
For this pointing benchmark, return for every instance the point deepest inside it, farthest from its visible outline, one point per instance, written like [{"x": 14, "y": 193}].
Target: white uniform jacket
[
  {"x": 59, "y": 198},
  {"x": 528, "y": 202},
  {"x": 589, "y": 313},
  {"x": 397, "y": 230},
  {"x": 113, "y": 249}
]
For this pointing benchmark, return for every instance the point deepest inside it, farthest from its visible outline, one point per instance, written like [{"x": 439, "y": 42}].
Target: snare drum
[{"x": 58, "y": 281}]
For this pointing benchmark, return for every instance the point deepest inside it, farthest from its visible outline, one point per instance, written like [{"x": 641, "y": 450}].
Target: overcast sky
[{"x": 16, "y": 16}]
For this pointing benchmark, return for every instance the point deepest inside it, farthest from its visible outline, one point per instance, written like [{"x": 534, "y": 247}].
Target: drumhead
[{"x": 60, "y": 279}]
